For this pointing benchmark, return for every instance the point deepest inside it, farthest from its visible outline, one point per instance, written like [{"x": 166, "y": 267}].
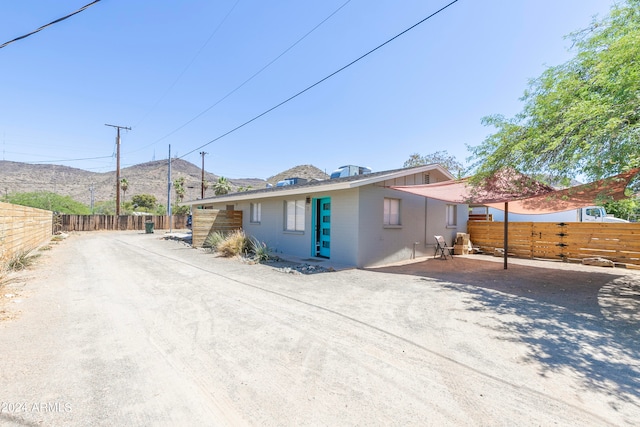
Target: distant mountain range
[{"x": 144, "y": 178}]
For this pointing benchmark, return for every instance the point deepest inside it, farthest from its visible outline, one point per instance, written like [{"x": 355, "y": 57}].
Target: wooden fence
[
  {"x": 206, "y": 221},
  {"x": 22, "y": 229},
  {"x": 114, "y": 222},
  {"x": 618, "y": 242}
]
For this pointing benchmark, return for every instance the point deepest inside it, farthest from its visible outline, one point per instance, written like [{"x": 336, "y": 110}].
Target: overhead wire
[
  {"x": 185, "y": 69},
  {"x": 72, "y": 160},
  {"x": 321, "y": 80},
  {"x": 49, "y": 24},
  {"x": 254, "y": 75}
]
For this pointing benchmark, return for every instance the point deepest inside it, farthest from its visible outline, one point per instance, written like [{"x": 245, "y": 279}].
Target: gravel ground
[{"x": 125, "y": 328}]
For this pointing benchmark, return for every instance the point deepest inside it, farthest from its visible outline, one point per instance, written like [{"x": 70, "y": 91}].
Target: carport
[{"x": 509, "y": 190}]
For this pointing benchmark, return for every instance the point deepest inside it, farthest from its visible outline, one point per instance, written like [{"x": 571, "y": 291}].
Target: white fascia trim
[{"x": 321, "y": 188}]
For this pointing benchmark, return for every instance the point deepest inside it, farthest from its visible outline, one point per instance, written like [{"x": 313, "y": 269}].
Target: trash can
[{"x": 148, "y": 227}]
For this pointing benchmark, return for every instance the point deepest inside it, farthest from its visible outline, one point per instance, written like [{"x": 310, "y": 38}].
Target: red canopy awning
[{"x": 524, "y": 195}]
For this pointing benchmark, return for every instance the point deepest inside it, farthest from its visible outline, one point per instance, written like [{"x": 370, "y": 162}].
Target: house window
[
  {"x": 391, "y": 212},
  {"x": 452, "y": 215},
  {"x": 294, "y": 215},
  {"x": 426, "y": 179},
  {"x": 256, "y": 212}
]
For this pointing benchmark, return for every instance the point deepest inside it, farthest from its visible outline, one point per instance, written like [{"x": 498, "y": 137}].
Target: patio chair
[{"x": 442, "y": 248}]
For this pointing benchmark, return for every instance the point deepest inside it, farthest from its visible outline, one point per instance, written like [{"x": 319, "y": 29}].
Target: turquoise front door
[{"x": 323, "y": 227}]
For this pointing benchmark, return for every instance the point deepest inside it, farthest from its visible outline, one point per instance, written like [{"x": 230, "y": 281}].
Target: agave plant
[{"x": 261, "y": 252}]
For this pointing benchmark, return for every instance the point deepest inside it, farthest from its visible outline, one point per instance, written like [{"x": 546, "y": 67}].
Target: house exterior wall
[
  {"x": 270, "y": 229},
  {"x": 380, "y": 244},
  {"x": 420, "y": 219},
  {"x": 358, "y": 236},
  {"x": 344, "y": 217},
  {"x": 417, "y": 179},
  {"x": 437, "y": 222}
]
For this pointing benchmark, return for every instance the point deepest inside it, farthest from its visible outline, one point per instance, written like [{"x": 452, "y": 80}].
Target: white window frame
[
  {"x": 452, "y": 216},
  {"x": 294, "y": 215},
  {"x": 255, "y": 214},
  {"x": 391, "y": 212}
]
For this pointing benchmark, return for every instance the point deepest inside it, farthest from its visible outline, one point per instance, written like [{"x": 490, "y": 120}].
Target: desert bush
[
  {"x": 21, "y": 261},
  {"x": 213, "y": 240},
  {"x": 4, "y": 269},
  {"x": 234, "y": 244},
  {"x": 260, "y": 250}
]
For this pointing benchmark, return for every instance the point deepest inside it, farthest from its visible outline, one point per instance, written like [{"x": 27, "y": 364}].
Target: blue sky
[{"x": 156, "y": 66}]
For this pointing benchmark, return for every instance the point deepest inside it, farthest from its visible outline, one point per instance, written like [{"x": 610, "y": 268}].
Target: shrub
[
  {"x": 4, "y": 269},
  {"x": 21, "y": 261},
  {"x": 49, "y": 201},
  {"x": 234, "y": 244},
  {"x": 260, "y": 250},
  {"x": 213, "y": 240}
]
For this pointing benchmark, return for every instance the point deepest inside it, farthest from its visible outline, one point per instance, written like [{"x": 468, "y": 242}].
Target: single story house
[{"x": 354, "y": 220}]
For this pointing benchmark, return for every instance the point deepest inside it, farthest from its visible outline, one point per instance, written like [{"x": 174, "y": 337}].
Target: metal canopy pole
[
  {"x": 169, "y": 213},
  {"x": 506, "y": 233}
]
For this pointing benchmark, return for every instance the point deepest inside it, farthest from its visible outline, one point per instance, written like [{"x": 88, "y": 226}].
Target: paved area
[{"x": 126, "y": 328}]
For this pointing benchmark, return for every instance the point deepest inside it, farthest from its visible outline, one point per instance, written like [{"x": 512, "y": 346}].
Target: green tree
[
  {"x": 145, "y": 201},
  {"x": 443, "y": 158},
  {"x": 222, "y": 186},
  {"x": 49, "y": 201},
  {"x": 178, "y": 185},
  {"x": 105, "y": 207},
  {"x": 626, "y": 209},
  {"x": 180, "y": 210},
  {"x": 580, "y": 117}
]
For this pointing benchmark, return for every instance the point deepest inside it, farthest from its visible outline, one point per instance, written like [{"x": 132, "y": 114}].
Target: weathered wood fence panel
[
  {"x": 206, "y": 221},
  {"x": 22, "y": 229},
  {"x": 618, "y": 242},
  {"x": 122, "y": 222}
]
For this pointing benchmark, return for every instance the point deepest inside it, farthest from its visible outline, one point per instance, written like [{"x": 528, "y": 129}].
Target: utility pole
[
  {"x": 202, "y": 153},
  {"x": 118, "y": 165},
  {"x": 91, "y": 190}
]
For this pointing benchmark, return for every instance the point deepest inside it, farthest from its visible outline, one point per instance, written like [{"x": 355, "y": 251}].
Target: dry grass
[
  {"x": 234, "y": 244},
  {"x": 21, "y": 261},
  {"x": 213, "y": 240}
]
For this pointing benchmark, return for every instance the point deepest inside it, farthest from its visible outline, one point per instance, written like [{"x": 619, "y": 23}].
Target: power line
[
  {"x": 49, "y": 24},
  {"x": 254, "y": 75},
  {"x": 72, "y": 160},
  {"x": 186, "y": 68},
  {"x": 321, "y": 80}
]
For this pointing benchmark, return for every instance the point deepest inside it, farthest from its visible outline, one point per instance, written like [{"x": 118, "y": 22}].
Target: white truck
[{"x": 587, "y": 214}]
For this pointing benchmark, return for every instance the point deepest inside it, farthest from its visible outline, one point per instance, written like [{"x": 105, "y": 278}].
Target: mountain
[
  {"x": 145, "y": 178},
  {"x": 308, "y": 172}
]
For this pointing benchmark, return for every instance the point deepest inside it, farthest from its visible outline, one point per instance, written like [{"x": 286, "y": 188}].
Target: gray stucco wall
[
  {"x": 344, "y": 226},
  {"x": 344, "y": 217},
  {"x": 270, "y": 229},
  {"x": 420, "y": 219},
  {"x": 358, "y": 236}
]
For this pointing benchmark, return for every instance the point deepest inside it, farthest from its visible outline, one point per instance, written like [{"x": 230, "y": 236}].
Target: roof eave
[{"x": 293, "y": 191}]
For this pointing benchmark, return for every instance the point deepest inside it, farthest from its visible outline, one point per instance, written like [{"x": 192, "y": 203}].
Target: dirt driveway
[{"x": 129, "y": 329}]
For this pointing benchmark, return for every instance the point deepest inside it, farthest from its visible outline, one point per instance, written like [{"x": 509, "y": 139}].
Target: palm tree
[
  {"x": 222, "y": 186},
  {"x": 124, "y": 185}
]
